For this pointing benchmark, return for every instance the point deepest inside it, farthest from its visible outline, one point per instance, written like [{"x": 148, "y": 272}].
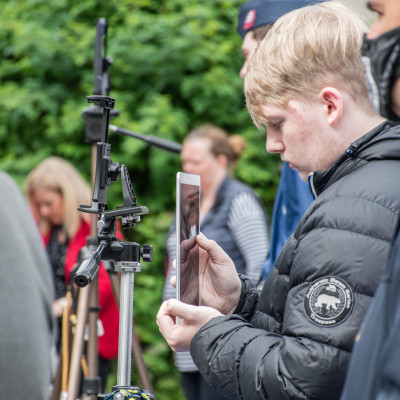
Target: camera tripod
[
  {"x": 104, "y": 245},
  {"x": 125, "y": 255}
]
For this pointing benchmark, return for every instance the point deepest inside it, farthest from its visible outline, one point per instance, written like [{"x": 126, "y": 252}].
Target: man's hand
[
  {"x": 179, "y": 335},
  {"x": 220, "y": 285}
]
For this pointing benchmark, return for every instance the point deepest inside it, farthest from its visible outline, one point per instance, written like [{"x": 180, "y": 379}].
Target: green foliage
[{"x": 175, "y": 65}]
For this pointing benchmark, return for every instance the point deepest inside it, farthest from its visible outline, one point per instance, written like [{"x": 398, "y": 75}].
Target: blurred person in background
[
  {"x": 255, "y": 19},
  {"x": 26, "y": 298},
  {"x": 231, "y": 213},
  {"x": 55, "y": 190},
  {"x": 381, "y": 56},
  {"x": 375, "y": 362}
]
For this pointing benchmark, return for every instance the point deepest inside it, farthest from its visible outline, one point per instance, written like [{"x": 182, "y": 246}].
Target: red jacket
[{"x": 109, "y": 314}]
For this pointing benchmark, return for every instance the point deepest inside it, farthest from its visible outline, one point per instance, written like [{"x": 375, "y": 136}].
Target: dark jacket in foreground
[
  {"x": 293, "y": 341},
  {"x": 374, "y": 369}
]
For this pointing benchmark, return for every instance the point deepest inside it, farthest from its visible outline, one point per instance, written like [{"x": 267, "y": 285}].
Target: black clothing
[
  {"x": 56, "y": 252},
  {"x": 381, "y": 57},
  {"x": 293, "y": 341},
  {"x": 196, "y": 388},
  {"x": 374, "y": 371}
]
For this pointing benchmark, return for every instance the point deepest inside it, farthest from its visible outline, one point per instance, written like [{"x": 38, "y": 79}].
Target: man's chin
[{"x": 303, "y": 175}]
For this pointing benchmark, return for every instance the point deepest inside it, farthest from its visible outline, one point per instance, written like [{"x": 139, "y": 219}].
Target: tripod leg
[
  {"x": 55, "y": 395},
  {"x": 77, "y": 346},
  {"x": 60, "y": 380},
  {"x": 92, "y": 381}
]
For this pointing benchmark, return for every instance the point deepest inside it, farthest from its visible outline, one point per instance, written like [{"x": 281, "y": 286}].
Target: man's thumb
[{"x": 179, "y": 309}]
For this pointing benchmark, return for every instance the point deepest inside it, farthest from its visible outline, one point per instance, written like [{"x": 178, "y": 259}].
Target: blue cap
[{"x": 257, "y": 13}]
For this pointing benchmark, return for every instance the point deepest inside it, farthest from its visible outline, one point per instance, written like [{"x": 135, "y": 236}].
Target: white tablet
[{"x": 187, "y": 228}]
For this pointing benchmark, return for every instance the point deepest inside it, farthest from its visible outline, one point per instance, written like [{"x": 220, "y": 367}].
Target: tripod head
[{"x": 110, "y": 247}]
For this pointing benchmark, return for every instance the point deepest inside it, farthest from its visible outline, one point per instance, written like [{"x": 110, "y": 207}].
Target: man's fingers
[
  {"x": 164, "y": 318},
  {"x": 214, "y": 250},
  {"x": 181, "y": 310},
  {"x": 173, "y": 281}
]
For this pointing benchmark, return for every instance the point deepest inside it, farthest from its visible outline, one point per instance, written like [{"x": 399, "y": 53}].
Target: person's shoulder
[
  {"x": 11, "y": 192},
  {"x": 240, "y": 186},
  {"x": 245, "y": 198},
  {"x": 7, "y": 182}
]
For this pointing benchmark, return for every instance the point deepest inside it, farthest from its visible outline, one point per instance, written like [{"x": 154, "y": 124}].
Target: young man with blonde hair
[
  {"x": 293, "y": 340},
  {"x": 293, "y": 196}
]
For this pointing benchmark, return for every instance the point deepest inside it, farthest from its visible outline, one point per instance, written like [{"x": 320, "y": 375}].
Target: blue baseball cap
[{"x": 255, "y": 13}]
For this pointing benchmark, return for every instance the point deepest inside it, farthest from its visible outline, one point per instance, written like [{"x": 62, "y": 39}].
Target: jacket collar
[{"x": 374, "y": 145}]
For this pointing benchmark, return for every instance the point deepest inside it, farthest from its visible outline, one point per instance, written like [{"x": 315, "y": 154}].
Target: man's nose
[
  {"x": 243, "y": 70},
  {"x": 273, "y": 143}
]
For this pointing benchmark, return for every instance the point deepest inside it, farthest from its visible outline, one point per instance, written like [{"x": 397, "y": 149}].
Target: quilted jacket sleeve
[{"x": 246, "y": 362}]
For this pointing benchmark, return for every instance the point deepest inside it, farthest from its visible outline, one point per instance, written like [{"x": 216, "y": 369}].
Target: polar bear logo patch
[{"x": 328, "y": 301}]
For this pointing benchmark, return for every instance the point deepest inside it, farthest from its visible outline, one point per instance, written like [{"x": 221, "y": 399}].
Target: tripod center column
[{"x": 126, "y": 320}]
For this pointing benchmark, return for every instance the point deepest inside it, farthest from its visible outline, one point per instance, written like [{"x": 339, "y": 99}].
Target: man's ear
[{"x": 333, "y": 103}]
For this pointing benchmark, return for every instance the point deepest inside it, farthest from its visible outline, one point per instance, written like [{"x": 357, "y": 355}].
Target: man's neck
[{"x": 357, "y": 122}]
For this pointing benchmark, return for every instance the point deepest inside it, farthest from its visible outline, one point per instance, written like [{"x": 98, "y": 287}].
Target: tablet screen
[{"x": 188, "y": 226}]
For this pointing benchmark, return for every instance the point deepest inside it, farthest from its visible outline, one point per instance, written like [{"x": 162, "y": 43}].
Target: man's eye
[{"x": 275, "y": 125}]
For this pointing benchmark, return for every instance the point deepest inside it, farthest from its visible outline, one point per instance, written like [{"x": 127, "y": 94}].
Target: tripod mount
[{"x": 125, "y": 255}]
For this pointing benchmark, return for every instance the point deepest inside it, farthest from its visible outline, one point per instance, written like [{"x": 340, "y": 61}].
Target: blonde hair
[
  {"x": 307, "y": 49},
  {"x": 60, "y": 176},
  {"x": 220, "y": 142}
]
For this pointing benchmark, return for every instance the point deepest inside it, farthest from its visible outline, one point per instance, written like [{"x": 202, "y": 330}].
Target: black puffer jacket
[{"x": 293, "y": 341}]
